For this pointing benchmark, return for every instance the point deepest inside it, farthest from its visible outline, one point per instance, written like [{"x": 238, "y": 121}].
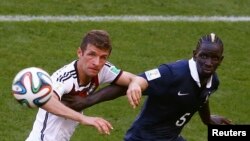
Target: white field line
[{"x": 125, "y": 18}]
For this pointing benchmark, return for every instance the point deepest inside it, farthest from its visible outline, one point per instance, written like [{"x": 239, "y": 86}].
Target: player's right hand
[
  {"x": 134, "y": 94},
  {"x": 134, "y": 91},
  {"x": 102, "y": 125}
]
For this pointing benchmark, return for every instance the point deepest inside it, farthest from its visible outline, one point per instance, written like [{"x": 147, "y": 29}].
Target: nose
[
  {"x": 208, "y": 61},
  {"x": 96, "y": 61}
]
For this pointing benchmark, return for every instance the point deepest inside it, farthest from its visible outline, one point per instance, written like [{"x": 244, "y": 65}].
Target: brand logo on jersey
[
  {"x": 182, "y": 94},
  {"x": 152, "y": 74}
]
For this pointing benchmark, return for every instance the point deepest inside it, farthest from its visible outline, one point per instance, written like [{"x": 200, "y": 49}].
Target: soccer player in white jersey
[{"x": 55, "y": 121}]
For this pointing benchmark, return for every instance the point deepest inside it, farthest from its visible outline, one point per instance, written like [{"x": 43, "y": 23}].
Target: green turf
[
  {"x": 118, "y": 7},
  {"x": 138, "y": 46}
]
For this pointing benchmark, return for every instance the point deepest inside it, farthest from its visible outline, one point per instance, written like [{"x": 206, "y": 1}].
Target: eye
[
  {"x": 215, "y": 58},
  {"x": 203, "y": 56},
  {"x": 104, "y": 57},
  {"x": 92, "y": 54}
]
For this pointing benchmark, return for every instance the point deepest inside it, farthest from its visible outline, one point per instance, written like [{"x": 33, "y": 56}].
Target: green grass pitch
[{"x": 137, "y": 46}]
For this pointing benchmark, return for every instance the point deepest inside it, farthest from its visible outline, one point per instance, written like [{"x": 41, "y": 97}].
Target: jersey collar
[{"x": 194, "y": 74}]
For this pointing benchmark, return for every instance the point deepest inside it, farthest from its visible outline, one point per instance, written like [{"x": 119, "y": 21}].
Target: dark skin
[
  {"x": 105, "y": 94},
  {"x": 208, "y": 57}
]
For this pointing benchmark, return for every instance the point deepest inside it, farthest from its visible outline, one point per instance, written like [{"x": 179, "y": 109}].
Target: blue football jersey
[{"x": 174, "y": 95}]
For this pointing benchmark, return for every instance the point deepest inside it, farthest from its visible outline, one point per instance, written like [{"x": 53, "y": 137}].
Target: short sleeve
[
  {"x": 109, "y": 73},
  {"x": 159, "y": 80}
]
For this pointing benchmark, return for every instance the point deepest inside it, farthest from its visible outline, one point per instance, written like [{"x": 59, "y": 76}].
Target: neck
[
  {"x": 204, "y": 80},
  {"x": 83, "y": 78}
]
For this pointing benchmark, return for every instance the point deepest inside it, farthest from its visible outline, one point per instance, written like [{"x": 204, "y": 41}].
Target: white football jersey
[{"x": 49, "y": 127}]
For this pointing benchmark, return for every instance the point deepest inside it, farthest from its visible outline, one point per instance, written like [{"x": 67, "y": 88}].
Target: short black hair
[{"x": 211, "y": 38}]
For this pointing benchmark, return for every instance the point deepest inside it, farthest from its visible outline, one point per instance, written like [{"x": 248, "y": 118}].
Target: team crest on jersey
[
  {"x": 115, "y": 70},
  {"x": 152, "y": 74}
]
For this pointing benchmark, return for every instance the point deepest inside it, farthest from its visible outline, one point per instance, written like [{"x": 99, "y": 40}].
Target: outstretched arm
[
  {"x": 133, "y": 91},
  {"x": 107, "y": 93},
  {"x": 207, "y": 118},
  {"x": 56, "y": 107}
]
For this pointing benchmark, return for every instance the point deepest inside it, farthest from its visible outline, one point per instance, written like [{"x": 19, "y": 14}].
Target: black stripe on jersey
[
  {"x": 67, "y": 75},
  {"x": 73, "y": 73},
  {"x": 118, "y": 76},
  {"x": 57, "y": 94},
  {"x": 44, "y": 125},
  {"x": 108, "y": 64}
]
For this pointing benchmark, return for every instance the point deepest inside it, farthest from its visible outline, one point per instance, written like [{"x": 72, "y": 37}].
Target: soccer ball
[{"x": 32, "y": 87}]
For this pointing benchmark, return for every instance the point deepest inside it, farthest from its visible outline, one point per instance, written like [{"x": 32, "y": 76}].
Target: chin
[
  {"x": 204, "y": 74},
  {"x": 93, "y": 74}
]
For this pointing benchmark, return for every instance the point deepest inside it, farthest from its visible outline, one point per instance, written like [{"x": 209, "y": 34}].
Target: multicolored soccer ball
[{"x": 32, "y": 87}]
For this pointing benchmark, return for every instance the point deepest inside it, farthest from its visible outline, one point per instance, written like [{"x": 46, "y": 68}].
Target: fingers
[
  {"x": 134, "y": 97},
  {"x": 226, "y": 121},
  {"x": 220, "y": 120},
  {"x": 103, "y": 126}
]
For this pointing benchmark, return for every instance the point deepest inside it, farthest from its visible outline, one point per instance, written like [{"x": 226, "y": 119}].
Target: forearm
[
  {"x": 107, "y": 93},
  {"x": 55, "y": 107},
  {"x": 79, "y": 103},
  {"x": 207, "y": 118},
  {"x": 204, "y": 113}
]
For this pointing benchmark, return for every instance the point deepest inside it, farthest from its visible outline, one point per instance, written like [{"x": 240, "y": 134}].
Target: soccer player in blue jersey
[{"x": 176, "y": 91}]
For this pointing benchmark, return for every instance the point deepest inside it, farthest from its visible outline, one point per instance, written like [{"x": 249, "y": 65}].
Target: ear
[
  {"x": 194, "y": 54},
  {"x": 79, "y": 52},
  {"x": 221, "y": 59}
]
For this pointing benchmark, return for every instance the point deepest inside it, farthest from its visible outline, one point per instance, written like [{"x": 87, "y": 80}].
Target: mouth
[
  {"x": 94, "y": 70},
  {"x": 208, "y": 70}
]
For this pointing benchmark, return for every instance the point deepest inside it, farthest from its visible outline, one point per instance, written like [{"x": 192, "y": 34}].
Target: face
[
  {"x": 91, "y": 60},
  {"x": 208, "y": 57}
]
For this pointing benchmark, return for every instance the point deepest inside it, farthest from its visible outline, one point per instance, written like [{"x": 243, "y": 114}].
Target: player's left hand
[{"x": 219, "y": 120}]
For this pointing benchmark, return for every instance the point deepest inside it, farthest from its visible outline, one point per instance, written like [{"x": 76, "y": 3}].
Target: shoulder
[
  {"x": 109, "y": 73},
  {"x": 65, "y": 72},
  {"x": 108, "y": 64},
  {"x": 215, "y": 80},
  {"x": 176, "y": 68},
  {"x": 179, "y": 64},
  {"x": 110, "y": 67},
  {"x": 175, "y": 71}
]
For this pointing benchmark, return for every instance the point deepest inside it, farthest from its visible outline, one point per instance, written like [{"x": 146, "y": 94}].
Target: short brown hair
[{"x": 98, "y": 38}]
